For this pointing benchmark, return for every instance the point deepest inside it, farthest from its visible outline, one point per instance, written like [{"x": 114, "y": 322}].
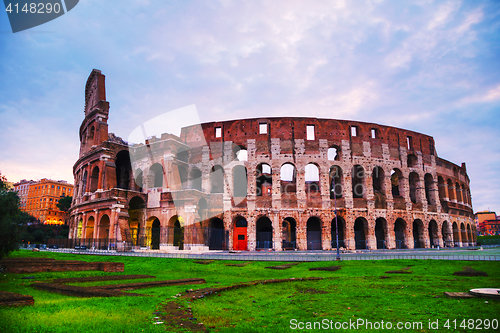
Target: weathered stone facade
[{"x": 267, "y": 183}]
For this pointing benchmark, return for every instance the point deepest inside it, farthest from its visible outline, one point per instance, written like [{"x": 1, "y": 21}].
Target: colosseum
[{"x": 265, "y": 184}]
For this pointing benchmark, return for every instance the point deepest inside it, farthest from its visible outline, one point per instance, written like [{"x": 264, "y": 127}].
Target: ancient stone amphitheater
[{"x": 265, "y": 183}]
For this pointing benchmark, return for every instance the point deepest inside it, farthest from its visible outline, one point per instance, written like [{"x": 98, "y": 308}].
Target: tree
[
  {"x": 64, "y": 203},
  {"x": 11, "y": 219}
]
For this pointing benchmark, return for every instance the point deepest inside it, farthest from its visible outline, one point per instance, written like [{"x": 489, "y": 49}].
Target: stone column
[
  {"x": 301, "y": 232},
  {"x": 252, "y": 232},
  {"x": 326, "y": 235},
  {"x": 370, "y": 234},
  {"x": 277, "y": 232}
]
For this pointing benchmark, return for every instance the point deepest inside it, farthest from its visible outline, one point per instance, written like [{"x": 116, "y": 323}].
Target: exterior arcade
[{"x": 267, "y": 183}]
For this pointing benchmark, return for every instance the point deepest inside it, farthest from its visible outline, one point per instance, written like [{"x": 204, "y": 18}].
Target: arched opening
[
  {"x": 240, "y": 153},
  {"x": 335, "y": 182},
  {"x": 378, "y": 176},
  {"x": 288, "y": 177},
  {"x": 378, "y": 180},
  {"x": 458, "y": 190},
  {"x": 464, "y": 235},
  {"x": 94, "y": 179},
  {"x": 469, "y": 234},
  {"x": 103, "y": 232},
  {"x": 451, "y": 191},
  {"x": 264, "y": 233},
  {"x": 442, "y": 189},
  {"x": 155, "y": 234},
  {"x": 414, "y": 184},
  {"x": 340, "y": 223},
  {"x": 333, "y": 153},
  {"x": 176, "y": 226},
  {"x": 418, "y": 234},
  {"x": 456, "y": 235},
  {"x": 358, "y": 176},
  {"x": 135, "y": 228},
  {"x": 360, "y": 226},
  {"x": 288, "y": 229},
  {"x": 89, "y": 228},
  {"x": 240, "y": 234},
  {"x": 182, "y": 155},
  {"x": 399, "y": 233},
  {"x": 123, "y": 170},
  {"x": 156, "y": 171},
  {"x": 411, "y": 160},
  {"x": 314, "y": 233},
  {"x": 240, "y": 181},
  {"x": 397, "y": 183},
  {"x": 429, "y": 195},
  {"x": 264, "y": 180},
  {"x": 195, "y": 177},
  {"x": 312, "y": 178},
  {"x": 217, "y": 235},
  {"x": 217, "y": 179},
  {"x": 84, "y": 182},
  {"x": 380, "y": 232},
  {"x": 433, "y": 234},
  {"x": 447, "y": 235},
  {"x": 136, "y": 214}
]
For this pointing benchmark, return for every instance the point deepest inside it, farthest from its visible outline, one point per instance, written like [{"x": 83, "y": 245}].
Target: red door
[{"x": 240, "y": 238}]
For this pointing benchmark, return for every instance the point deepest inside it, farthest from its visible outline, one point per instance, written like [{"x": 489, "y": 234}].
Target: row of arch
[
  {"x": 448, "y": 191},
  {"x": 400, "y": 234},
  {"x": 383, "y": 236}
]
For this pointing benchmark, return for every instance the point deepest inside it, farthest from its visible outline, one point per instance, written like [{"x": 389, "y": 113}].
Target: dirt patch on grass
[
  {"x": 203, "y": 262},
  {"x": 114, "y": 290},
  {"x": 328, "y": 268},
  {"x": 241, "y": 264},
  {"x": 103, "y": 278},
  {"x": 14, "y": 299},
  {"x": 284, "y": 266},
  {"x": 469, "y": 271},
  {"x": 405, "y": 270},
  {"x": 34, "y": 265},
  {"x": 179, "y": 317}
]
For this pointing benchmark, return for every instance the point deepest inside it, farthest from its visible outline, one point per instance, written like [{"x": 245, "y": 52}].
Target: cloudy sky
[{"x": 428, "y": 66}]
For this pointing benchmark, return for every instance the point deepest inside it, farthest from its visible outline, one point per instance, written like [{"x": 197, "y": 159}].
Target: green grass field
[{"x": 355, "y": 292}]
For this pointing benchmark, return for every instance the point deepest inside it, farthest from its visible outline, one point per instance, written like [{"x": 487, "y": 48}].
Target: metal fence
[{"x": 289, "y": 256}]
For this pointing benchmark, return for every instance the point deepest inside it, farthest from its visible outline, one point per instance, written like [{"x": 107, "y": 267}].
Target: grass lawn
[{"x": 357, "y": 291}]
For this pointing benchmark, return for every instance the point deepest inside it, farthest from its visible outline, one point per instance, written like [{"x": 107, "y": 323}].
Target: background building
[
  {"x": 267, "y": 183},
  {"x": 42, "y": 198},
  {"x": 22, "y": 189},
  {"x": 488, "y": 223}
]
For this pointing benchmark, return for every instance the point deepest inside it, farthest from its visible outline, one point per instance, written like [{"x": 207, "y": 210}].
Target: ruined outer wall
[{"x": 370, "y": 146}]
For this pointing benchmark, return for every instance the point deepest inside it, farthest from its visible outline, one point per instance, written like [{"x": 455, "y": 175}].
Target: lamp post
[{"x": 336, "y": 221}]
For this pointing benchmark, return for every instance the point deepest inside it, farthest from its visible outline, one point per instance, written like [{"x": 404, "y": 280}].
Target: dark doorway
[
  {"x": 314, "y": 234},
  {"x": 217, "y": 235},
  {"x": 155, "y": 235},
  {"x": 359, "y": 233},
  {"x": 399, "y": 232},
  {"x": 341, "y": 226},
  {"x": 288, "y": 229},
  {"x": 264, "y": 233},
  {"x": 380, "y": 226},
  {"x": 178, "y": 235}
]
